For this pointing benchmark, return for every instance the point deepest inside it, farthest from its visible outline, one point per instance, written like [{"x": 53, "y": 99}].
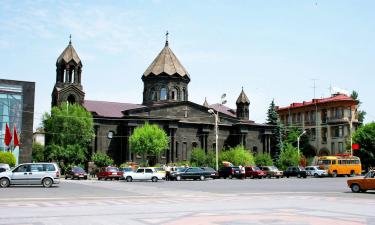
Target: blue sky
[{"x": 272, "y": 48}]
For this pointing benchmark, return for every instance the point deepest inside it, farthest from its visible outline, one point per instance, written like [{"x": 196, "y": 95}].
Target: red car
[
  {"x": 254, "y": 172},
  {"x": 109, "y": 172}
]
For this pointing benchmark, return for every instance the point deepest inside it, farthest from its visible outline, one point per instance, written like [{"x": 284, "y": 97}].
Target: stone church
[{"x": 165, "y": 103}]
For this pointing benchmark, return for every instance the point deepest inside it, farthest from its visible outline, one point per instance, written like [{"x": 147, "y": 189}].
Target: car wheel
[
  {"x": 298, "y": 175},
  {"x": 66, "y": 177},
  {"x": 154, "y": 179},
  {"x": 129, "y": 179},
  {"x": 230, "y": 176},
  {"x": 355, "y": 188},
  {"x": 202, "y": 177},
  {"x": 4, "y": 182},
  {"x": 316, "y": 175},
  {"x": 85, "y": 178},
  {"x": 287, "y": 176},
  {"x": 178, "y": 178},
  {"x": 260, "y": 177},
  {"x": 47, "y": 182}
]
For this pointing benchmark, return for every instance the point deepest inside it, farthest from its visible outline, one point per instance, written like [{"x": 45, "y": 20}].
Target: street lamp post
[
  {"x": 298, "y": 139},
  {"x": 216, "y": 136}
]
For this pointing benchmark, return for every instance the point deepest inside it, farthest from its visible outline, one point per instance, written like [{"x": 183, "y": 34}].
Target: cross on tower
[
  {"x": 166, "y": 38},
  {"x": 70, "y": 39}
]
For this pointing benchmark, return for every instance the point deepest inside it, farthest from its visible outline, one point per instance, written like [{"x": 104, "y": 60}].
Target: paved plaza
[{"x": 266, "y": 201}]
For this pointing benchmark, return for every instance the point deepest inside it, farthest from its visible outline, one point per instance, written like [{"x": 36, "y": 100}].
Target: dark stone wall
[{"x": 28, "y": 93}]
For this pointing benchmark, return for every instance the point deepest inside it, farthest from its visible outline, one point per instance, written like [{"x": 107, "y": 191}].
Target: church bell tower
[{"x": 68, "y": 86}]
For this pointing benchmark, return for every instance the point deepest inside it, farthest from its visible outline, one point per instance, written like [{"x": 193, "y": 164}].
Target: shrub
[
  {"x": 288, "y": 157},
  {"x": 8, "y": 158},
  {"x": 211, "y": 159},
  {"x": 238, "y": 156},
  {"x": 101, "y": 159},
  {"x": 263, "y": 159},
  {"x": 198, "y": 157}
]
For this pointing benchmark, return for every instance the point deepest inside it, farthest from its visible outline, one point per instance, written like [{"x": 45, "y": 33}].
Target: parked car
[
  {"x": 144, "y": 173},
  {"x": 125, "y": 170},
  {"x": 272, "y": 171},
  {"x": 254, "y": 172},
  {"x": 210, "y": 172},
  {"x": 76, "y": 172},
  {"x": 183, "y": 173},
  {"x": 362, "y": 184},
  {"x": 315, "y": 171},
  {"x": 4, "y": 167},
  {"x": 45, "y": 174},
  {"x": 295, "y": 171},
  {"x": 109, "y": 172},
  {"x": 230, "y": 172}
]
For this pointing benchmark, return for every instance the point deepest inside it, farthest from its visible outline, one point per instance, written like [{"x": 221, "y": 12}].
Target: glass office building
[{"x": 17, "y": 109}]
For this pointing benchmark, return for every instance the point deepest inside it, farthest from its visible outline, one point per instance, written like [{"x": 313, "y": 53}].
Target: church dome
[
  {"x": 68, "y": 55},
  {"x": 166, "y": 63}
]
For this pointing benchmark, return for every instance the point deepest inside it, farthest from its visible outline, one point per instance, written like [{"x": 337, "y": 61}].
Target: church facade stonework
[{"x": 165, "y": 103}]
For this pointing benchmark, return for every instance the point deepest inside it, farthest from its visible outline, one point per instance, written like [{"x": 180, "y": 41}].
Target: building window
[
  {"x": 176, "y": 150},
  {"x": 174, "y": 94},
  {"x": 333, "y": 150},
  {"x": 341, "y": 147},
  {"x": 324, "y": 135},
  {"x": 341, "y": 131},
  {"x": 163, "y": 94},
  {"x": 194, "y": 145},
  {"x": 184, "y": 151}
]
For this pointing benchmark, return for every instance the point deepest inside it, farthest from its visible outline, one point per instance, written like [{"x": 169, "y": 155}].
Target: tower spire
[
  {"x": 70, "y": 39},
  {"x": 166, "y": 38}
]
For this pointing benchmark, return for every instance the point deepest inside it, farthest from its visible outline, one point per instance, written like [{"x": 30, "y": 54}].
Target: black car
[
  {"x": 183, "y": 173},
  {"x": 230, "y": 172},
  {"x": 210, "y": 172},
  {"x": 295, "y": 171},
  {"x": 76, "y": 172}
]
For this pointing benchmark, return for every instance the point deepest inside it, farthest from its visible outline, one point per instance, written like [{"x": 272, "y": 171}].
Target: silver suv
[{"x": 45, "y": 174}]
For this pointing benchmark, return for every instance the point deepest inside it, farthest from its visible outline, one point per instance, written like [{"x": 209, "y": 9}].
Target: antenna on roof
[
  {"x": 166, "y": 38},
  {"x": 314, "y": 87}
]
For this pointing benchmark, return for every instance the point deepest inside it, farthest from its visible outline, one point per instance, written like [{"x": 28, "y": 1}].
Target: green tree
[
  {"x": 288, "y": 157},
  {"x": 101, "y": 159},
  {"x": 365, "y": 137},
  {"x": 263, "y": 159},
  {"x": 291, "y": 135},
  {"x": 148, "y": 139},
  {"x": 8, "y": 158},
  {"x": 38, "y": 152},
  {"x": 237, "y": 156},
  {"x": 211, "y": 159},
  {"x": 276, "y": 137},
  {"x": 361, "y": 113},
  {"x": 69, "y": 131},
  {"x": 198, "y": 157}
]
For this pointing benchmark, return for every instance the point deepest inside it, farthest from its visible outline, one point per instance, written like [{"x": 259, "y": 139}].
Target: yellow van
[{"x": 340, "y": 165}]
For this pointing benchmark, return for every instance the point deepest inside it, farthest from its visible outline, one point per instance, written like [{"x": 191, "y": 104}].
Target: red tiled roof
[
  {"x": 223, "y": 109},
  {"x": 109, "y": 109},
  {"x": 334, "y": 98}
]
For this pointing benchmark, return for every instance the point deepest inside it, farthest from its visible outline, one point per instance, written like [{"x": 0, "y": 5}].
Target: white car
[
  {"x": 315, "y": 171},
  {"x": 144, "y": 173}
]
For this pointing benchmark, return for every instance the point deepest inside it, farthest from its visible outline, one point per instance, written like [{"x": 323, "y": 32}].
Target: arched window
[
  {"x": 163, "y": 94},
  {"x": 174, "y": 94},
  {"x": 71, "y": 99}
]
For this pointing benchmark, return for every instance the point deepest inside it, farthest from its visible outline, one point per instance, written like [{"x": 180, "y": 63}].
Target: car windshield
[
  {"x": 256, "y": 168},
  {"x": 181, "y": 169},
  {"x": 370, "y": 174},
  {"x": 112, "y": 169},
  {"x": 273, "y": 168},
  {"x": 78, "y": 170}
]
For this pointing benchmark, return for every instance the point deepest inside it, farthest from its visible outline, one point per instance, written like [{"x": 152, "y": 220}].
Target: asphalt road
[{"x": 265, "y": 201}]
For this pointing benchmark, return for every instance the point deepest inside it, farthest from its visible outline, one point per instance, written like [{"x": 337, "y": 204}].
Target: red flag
[
  {"x": 355, "y": 146},
  {"x": 8, "y": 135},
  {"x": 15, "y": 136}
]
